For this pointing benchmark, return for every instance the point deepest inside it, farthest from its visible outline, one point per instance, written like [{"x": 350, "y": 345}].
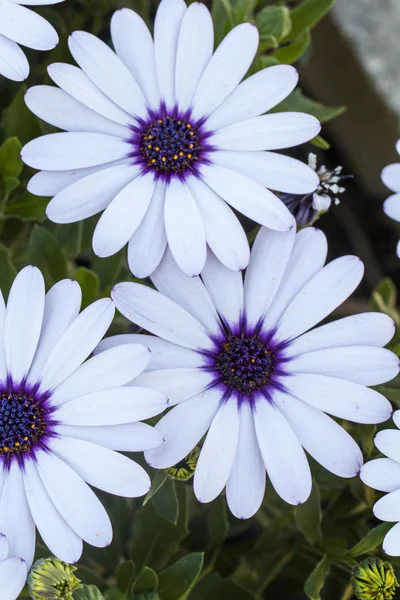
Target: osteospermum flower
[
  {"x": 162, "y": 136},
  {"x": 240, "y": 362},
  {"x": 62, "y": 418},
  {"x": 51, "y": 579},
  {"x": 374, "y": 579},
  {"x": 383, "y": 474},
  {"x": 20, "y": 25},
  {"x": 391, "y": 178},
  {"x": 13, "y": 572}
]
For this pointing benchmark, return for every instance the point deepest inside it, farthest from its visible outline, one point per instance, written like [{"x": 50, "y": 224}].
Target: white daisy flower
[
  {"x": 13, "y": 572},
  {"x": 240, "y": 362},
  {"x": 391, "y": 178},
  {"x": 62, "y": 418},
  {"x": 162, "y": 137},
  {"x": 20, "y": 25},
  {"x": 383, "y": 474}
]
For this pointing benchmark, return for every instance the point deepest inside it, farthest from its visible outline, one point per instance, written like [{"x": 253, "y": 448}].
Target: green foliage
[
  {"x": 317, "y": 578},
  {"x": 308, "y": 517}
]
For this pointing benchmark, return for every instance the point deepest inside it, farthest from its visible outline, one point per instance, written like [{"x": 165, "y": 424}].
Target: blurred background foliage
[{"x": 168, "y": 546}]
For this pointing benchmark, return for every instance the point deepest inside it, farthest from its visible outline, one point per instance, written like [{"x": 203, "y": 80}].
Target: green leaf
[
  {"x": 373, "y": 539},
  {"x": 159, "y": 479},
  {"x": 243, "y": 9},
  {"x": 17, "y": 120},
  {"x": 290, "y": 53},
  {"x": 177, "y": 581},
  {"x": 391, "y": 393},
  {"x": 90, "y": 285},
  {"x": 316, "y": 580},
  {"x": 46, "y": 254},
  {"x": 308, "y": 14},
  {"x": 273, "y": 21},
  {"x": 10, "y": 159},
  {"x": 217, "y": 522},
  {"x": 320, "y": 142},
  {"x": 214, "y": 587},
  {"x": 27, "y": 208},
  {"x": 114, "y": 595},
  {"x": 165, "y": 502},
  {"x": 147, "y": 581},
  {"x": 88, "y": 592},
  {"x": 90, "y": 577},
  {"x": 8, "y": 185},
  {"x": 69, "y": 236},
  {"x": 8, "y": 270},
  {"x": 125, "y": 572},
  {"x": 308, "y": 516},
  {"x": 297, "y": 102},
  {"x": 108, "y": 269}
]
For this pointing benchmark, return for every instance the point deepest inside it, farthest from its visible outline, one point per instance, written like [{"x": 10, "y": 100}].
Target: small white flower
[
  {"x": 383, "y": 474},
  {"x": 328, "y": 185},
  {"x": 162, "y": 136},
  {"x": 13, "y": 572},
  {"x": 239, "y": 361},
  {"x": 391, "y": 178},
  {"x": 20, "y": 25},
  {"x": 61, "y": 419}
]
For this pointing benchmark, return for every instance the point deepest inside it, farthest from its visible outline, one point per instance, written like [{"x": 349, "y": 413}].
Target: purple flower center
[
  {"x": 22, "y": 423},
  {"x": 245, "y": 363}
]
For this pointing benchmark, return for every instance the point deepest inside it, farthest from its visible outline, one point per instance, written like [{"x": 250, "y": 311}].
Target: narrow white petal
[
  {"x": 108, "y": 72},
  {"x": 269, "y": 256},
  {"x": 226, "y": 69},
  {"x": 109, "y": 369},
  {"x": 77, "y": 342},
  {"x": 3, "y": 360},
  {"x": 13, "y": 574},
  {"x": 246, "y": 484},
  {"x": 23, "y": 321},
  {"x": 4, "y": 547},
  {"x": 224, "y": 232},
  {"x": 381, "y": 474},
  {"x": 283, "y": 456},
  {"x": 396, "y": 418},
  {"x": 50, "y": 183},
  {"x": 166, "y": 34},
  {"x": 255, "y": 96},
  {"x": 102, "y": 468},
  {"x": 183, "y": 427},
  {"x": 56, "y": 534},
  {"x": 26, "y": 27},
  {"x": 388, "y": 507},
  {"x": 391, "y": 177},
  {"x": 320, "y": 296},
  {"x": 391, "y": 543},
  {"x": 177, "y": 384},
  {"x": 13, "y": 62},
  {"x": 128, "y": 437},
  {"x": 134, "y": 45},
  {"x": 74, "y": 500},
  {"x": 391, "y": 207},
  {"x": 159, "y": 315},
  {"x": 123, "y": 216},
  {"x": 388, "y": 442}
]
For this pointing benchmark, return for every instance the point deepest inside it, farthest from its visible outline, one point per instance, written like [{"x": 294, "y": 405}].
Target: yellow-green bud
[
  {"x": 51, "y": 579},
  {"x": 374, "y": 579},
  {"x": 185, "y": 469}
]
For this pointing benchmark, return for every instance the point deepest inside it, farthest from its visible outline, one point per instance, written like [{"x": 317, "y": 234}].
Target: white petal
[
  {"x": 184, "y": 228},
  {"x": 74, "y": 500},
  {"x": 388, "y": 507},
  {"x": 321, "y": 202},
  {"x": 102, "y": 468},
  {"x": 248, "y": 197},
  {"x": 269, "y": 256},
  {"x": 3, "y": 360},
  {"x": 4, "y": 547},
  {"x": 90, "y": 195},
  {"x": 183, "y": 427},
  {"x": 13, "y": 574},
  {"x": 188, "y": 292},
  {"x": 61, "y": 110},
  {"x": 147, "y": 245},
  {"x": 381, "y": 474},
  {"x": 396, "y": 418},
  {"x": 320, "y": 296},
  {"x": 159, "y": 315},
  {"x": 112, "y": 368},
  {"x": 270, "y": 169},
  {"x": 218, "y": 453},
  {"x": 307, "y": 258},
  {"x": 246, "y": 483},
  {"x": 226, "y": 69},
  {"x": 134, "y": 45},
  {"x": 268, "y": 132},
  {"x": 368, "y": 329},
  {"x": 283, "y": 456},
  {"x": 391, "y": 543},
  {"x": 77, "y": 84},
  {"x": 123, "y": 216},
  {"x": 13, "y": 62},
  {"x": 225, "y": 288},
  {"x": 391, "y": 207},
  {"x": 56, "y": 534},
  {"x": 391, "y": 177},
  {"x": 361, "y": 364},
  {"x": 50, "y": 183},
  {"x": 166, "y": 33},
  {"x": 177, "y": 384},
  {"x": 388, "y": 442},
  {"x": 326, "y": 441},
  {"x": 195, "y": 48},
  {"x": 73, "y": 150},
  {"x": 224, "y": 232},
  {"x": 23, "y": 321},
  {"x": 26, "y": 27},
  {"x": 16, "y": 521},
  {"x": 61, "y": 306},
  {"x": 108, "y": 72},
  {"x": 77, "y": 342},
  {"x": 114, "y": 406},
  {"x": 398, "y": 249},
  {"x": 164, "y": 355},
  {"x": 128, "y": 437},
  {"x": 255, "y": 96}
]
